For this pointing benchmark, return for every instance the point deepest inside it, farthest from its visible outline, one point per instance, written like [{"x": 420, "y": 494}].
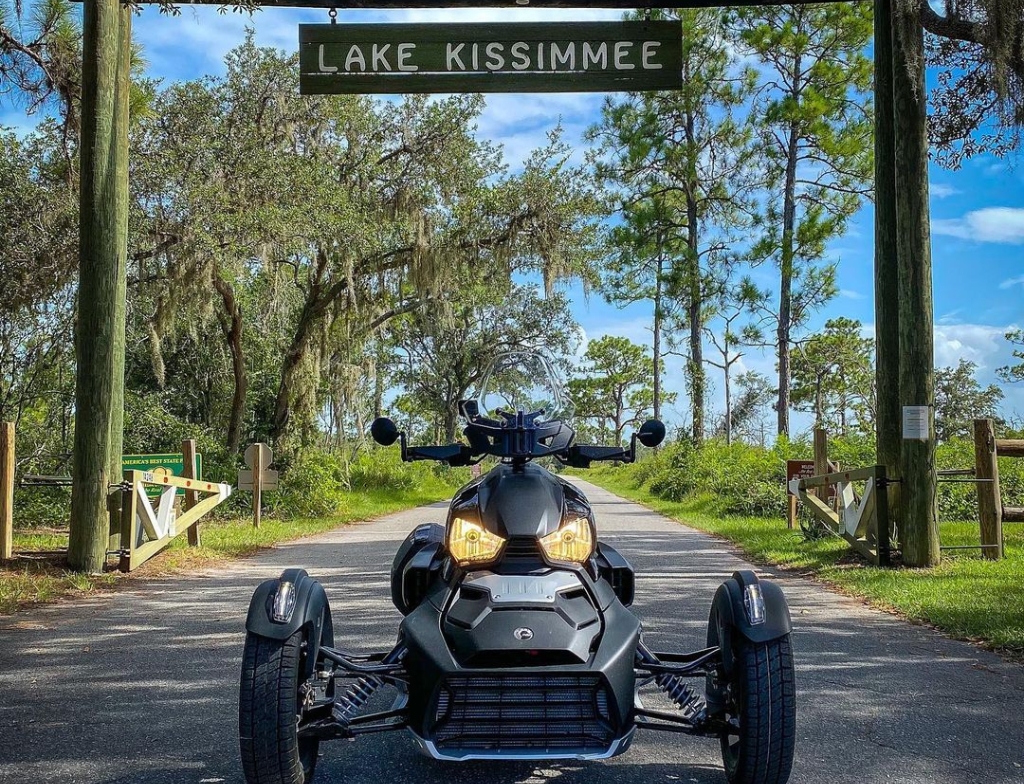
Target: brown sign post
[
  {"x": 804, "y": 469},
  {"x": 489, "y": 58}
]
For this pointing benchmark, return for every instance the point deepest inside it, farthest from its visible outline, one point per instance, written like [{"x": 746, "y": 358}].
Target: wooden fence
[
  {"x": 138, "y": 531},
  {"x": 992, "y": 512}
]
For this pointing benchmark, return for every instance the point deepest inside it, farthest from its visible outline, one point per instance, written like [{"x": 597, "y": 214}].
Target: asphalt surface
[{"x": 140, "y": 685}]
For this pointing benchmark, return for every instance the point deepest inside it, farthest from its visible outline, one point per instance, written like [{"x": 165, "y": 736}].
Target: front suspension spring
[
  {"x": 682, "y": 694},
  {"x": 356, "y": 696}
]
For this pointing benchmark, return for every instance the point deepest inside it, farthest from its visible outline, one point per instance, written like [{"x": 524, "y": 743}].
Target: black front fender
[
  {"x": 734, "y": 614},
  {"x": 311, "y": 610}
]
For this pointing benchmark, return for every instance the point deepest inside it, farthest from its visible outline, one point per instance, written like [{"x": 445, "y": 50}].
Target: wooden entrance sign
[{"x": 489, "y": 58}]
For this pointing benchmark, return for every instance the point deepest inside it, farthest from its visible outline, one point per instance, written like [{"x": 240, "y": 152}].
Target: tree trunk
[
  {"x": 786, "y": 281},
  {"x": 918, "y": 517},
  {"x": 451, "y": 419},
  {"x": 726, "y": 368},
  {"x": 378, "y": 389},
  {"x": 695, "y": 293},
  {"x": 290, "y": 368},
  {"x": 99, "y": 393},
  {"x": 696, "y": 363},
  {"x": 887, "y": 327},
  {"x": 231, "y": 324},
  {"x": 819, "y": 405},
  {"x": 787, "y": 259},
  {"x": 658, "y": 275}
]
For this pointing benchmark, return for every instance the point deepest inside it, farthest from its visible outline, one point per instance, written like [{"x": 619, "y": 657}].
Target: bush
[
  {"x": 750, "y": 480},
  {"x": 383, "y": 469},
  {"x": 314, "y": 485}
]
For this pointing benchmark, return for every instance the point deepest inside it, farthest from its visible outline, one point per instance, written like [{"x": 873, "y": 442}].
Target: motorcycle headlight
[
  {"x": 573, "y": 542},
  {"x": 471, "y": 543}
]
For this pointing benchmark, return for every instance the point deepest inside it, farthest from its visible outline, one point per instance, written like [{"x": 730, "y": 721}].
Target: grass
[
  {"x": 966, "y": 596},
  {"x": 38, "y": 574}
]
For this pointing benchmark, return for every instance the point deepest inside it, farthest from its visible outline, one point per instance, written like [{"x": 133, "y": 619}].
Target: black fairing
[
  {"x": 525, "y": 501},
  {"x": 416, "y": 566},
  {"x": 598, "y": 635}
]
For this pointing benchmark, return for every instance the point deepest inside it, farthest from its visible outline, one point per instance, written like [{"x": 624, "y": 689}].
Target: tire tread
[{"x": 267, "y": 727}]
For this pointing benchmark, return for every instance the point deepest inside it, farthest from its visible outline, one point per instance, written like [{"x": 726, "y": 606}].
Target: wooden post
[
  {"x": 918, "y": 519},
  {"x": 257, "y": 485},
  {"x": 791, "y": 514},
  {"x": 887, "y": 328},
  {"x": 190, "y": 471},
  {"x": 99, "y": 335},
  {"x": 6, "y": 490},
  {"x": 990, "y": 505},
  {"x": 821, "y": 460},
  {"x": 883, "y": 527}
]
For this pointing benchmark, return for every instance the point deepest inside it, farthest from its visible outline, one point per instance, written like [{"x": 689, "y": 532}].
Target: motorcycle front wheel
[
  {"x": 269, "y": 707},
  {"x": 758, "y": 700}
]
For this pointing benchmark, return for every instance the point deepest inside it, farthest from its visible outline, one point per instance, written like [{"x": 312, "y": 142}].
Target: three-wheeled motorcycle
[{"x": 517, "y": 641}]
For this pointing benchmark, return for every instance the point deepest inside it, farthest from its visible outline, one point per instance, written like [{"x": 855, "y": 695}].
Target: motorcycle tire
[
  {"x": 268, "y": 713},
  {"x": 760, "y": 697}
]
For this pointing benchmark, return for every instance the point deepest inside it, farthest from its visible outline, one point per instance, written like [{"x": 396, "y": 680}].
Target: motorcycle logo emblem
[{"x": 522, "y": 633}]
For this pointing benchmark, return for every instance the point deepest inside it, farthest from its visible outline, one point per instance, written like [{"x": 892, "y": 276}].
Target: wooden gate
[
  {"x": 146, "y": 530},
  {"x": 862, "y": 519}
]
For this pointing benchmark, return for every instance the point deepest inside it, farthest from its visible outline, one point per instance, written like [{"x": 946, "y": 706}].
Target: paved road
[{"x": 139, "y": 686}]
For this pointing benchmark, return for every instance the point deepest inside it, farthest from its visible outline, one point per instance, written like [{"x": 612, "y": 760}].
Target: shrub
[{"x": 314, "y": 485}]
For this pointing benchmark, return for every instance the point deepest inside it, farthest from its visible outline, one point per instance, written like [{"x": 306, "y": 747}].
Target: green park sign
[
  {"x": 489, "y": 58},
  {"x": 170, "y": 465}
]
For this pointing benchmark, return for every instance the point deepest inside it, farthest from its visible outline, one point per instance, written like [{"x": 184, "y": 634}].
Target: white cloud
[
  {"x": 1009, "y": 283},
  {"x": 982, "y": 344},
  {"x": 990, "y": 224},
  {"x": 939, "y": 190},
  {"x": 850, "y": 294}
]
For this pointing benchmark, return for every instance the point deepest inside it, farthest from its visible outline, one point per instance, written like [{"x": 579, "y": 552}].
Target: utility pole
[
  {"x": 888, "y": 439},
  {"x": 99, "y": 338},
  {"x": 918, "y": 506}
]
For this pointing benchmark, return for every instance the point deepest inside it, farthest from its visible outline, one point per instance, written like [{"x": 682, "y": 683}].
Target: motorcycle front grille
[
  {"x": 521, "y": 547},
  {"x": 522, "y": 713}
]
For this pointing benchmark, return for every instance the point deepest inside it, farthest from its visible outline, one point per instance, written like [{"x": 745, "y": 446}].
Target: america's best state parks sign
[{"x": 454, "y": 58}]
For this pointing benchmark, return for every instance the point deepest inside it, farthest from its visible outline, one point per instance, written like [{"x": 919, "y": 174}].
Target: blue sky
[{"x": 977, "y": 212}]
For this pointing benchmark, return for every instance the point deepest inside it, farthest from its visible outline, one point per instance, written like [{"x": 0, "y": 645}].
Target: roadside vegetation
[
  {"x": 737, "y": 492},
  {"x": 319, "y": 494}
]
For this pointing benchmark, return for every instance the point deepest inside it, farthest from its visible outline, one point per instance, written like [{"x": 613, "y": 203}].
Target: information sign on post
[
  {"x": 489, "y": 58},
  {"x": 804, "y": 469},
  {"x": 161, "y": 465},
  {"x": 258, "y": 477}
]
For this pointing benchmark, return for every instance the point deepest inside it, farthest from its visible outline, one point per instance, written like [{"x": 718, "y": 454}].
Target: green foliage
[
  {"x": 814, "y": 120},
  {"x": 321, "y": 484},
  {"x": 750, "y": 480},
  {"x": 833, "y": 377},
  {"x": 960, "y": 399},
  {"x": 449, "y": 345},
  {"x": 677, "y": 167},
  {"x": 613, "y": 386},
  {"x": 744, "y": 479},
  {"x": 313, "y": 485},
  {"x": 1014, "y": 373}
]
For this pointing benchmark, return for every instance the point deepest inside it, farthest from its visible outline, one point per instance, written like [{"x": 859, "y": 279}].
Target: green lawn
[
  {"x": 27, "y": 580},
  {"x": 967, "y": 596}
]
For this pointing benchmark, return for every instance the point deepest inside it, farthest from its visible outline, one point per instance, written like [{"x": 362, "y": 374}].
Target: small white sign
[
  {"x": 917, "y": 422},
  {"x": 271, "y": 479}
]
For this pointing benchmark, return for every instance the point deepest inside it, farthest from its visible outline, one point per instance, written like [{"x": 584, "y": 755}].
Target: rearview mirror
[
  {"x": 651, "y": 433},
  {"x": 384, "y": 431}
]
